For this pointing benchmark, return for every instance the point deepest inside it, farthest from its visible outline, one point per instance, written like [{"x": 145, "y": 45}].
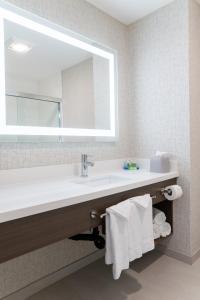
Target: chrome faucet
[{"x": 85, "y": 164}]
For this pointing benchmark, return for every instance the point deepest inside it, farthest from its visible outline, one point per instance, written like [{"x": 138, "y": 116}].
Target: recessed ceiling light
[{"x": 19, "y": 47}]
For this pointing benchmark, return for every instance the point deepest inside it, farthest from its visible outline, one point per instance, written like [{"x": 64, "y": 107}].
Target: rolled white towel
[
  {"x": 156, "y": 231},
  {"x": 165, "y": 229},
  {"x": 162, "y": 230},
  {"x": 158, "y": 216}
]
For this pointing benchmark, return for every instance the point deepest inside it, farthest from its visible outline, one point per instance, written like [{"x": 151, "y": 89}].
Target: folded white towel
[
  {"x": 144, "y": 207},
  {"x": 162, "y": 230},
  {"x": 160, "y": 227},
  {"x": 158, "y": 216}
]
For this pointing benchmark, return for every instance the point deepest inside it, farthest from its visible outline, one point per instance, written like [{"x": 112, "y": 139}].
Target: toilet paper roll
[{"x": 175, "y": 192}]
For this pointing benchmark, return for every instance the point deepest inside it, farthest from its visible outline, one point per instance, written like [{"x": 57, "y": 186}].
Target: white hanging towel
[
  {"x": 117, "y": 237},
  {"x": 144, "y": 209},
  {"x": 129, "y": 232},
  {"x": 135, "y": 233}
]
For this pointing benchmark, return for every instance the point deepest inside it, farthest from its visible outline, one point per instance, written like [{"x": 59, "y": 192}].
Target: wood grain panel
[{"x": 23, "y": 235}]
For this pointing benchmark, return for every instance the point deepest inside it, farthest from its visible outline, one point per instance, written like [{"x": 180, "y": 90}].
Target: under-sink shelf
[{"x": 161, "y": 239}]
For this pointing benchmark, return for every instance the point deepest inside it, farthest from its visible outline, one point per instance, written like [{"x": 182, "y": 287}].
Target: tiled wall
[
  {"x": 160, "y": 99},
  {"x": 195, "y": 123},
  {"x": 83, "y": 18}
]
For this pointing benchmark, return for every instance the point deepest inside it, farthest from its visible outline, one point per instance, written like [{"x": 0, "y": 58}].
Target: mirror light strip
[
  {"x": 112, "y": 94},
  {"x": 54, "y": 131},
  {"x": 27, "y": 23}
]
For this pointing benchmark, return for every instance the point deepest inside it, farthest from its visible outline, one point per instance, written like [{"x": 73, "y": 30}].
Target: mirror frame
[{"x": 33, "y": 22}]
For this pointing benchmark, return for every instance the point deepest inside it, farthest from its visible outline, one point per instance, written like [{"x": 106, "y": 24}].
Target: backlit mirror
[{"x": 55, "y": 83}]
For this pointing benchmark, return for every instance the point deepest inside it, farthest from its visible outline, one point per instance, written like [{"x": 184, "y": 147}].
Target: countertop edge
[{"x": 60, "y": 203}]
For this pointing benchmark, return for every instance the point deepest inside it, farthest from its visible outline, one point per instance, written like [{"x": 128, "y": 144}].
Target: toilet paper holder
[{"x": 166, "y": 191}]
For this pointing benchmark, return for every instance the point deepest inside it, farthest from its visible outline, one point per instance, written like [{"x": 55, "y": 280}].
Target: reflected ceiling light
[{"x": 19, "y": 47}]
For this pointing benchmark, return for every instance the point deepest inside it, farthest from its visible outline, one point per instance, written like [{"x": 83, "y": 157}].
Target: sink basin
[{"x": 104, "y": 180}]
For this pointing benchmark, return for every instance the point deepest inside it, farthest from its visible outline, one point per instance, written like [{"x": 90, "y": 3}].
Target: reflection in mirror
[
  {"x": 53, "y": 84},
  {"x": 28, "y": 110}
]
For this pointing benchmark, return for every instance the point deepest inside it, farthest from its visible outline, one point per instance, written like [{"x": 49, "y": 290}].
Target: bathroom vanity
[
  {"x": 36, "y": 212},
  {"x": 40, "y": 206}
]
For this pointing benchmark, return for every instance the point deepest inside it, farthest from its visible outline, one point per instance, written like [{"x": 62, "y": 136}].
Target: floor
[{"x": 154, "y": 277}]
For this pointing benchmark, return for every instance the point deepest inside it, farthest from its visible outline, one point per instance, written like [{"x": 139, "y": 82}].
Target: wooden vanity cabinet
[{"x": 23, "y": 235}]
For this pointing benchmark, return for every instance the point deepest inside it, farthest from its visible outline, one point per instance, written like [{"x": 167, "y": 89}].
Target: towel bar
[
  {"x": 103, "y": 215},
  {"x": 94, "y": 214}
]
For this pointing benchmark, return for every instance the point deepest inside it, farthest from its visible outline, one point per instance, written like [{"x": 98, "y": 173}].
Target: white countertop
[{"x": 27, "y": 195}]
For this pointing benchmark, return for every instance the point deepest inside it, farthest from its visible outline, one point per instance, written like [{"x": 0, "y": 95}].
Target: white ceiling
[{"x": 129, "y": 11}]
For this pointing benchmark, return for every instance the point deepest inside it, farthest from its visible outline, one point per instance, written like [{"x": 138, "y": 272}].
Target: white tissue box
[{"x": 160, "y": 164}]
